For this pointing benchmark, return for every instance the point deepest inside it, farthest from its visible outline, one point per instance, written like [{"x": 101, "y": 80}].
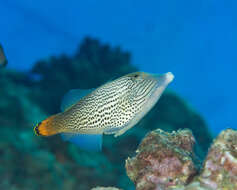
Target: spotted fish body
[{"x": 112, "y": 108}]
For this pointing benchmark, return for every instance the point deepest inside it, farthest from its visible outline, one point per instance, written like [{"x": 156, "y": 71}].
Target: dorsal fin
[{"x": 73, "y": 96}]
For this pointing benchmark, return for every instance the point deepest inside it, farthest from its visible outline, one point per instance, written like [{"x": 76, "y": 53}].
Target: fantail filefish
[
  {"x": 3, "y": 59},
  {"x": 112, "y": 108}
]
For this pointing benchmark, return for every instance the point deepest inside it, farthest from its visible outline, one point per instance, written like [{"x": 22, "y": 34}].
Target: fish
[
  {"x": 3, "y": 59},
  {"x": 110, "y": 109}
]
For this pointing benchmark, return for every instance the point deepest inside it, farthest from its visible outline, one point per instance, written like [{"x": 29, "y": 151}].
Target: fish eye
[{"x": 136, "y": 75}]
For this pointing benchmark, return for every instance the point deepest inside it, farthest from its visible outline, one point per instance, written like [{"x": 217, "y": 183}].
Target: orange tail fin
[{"x": 47, "y": 127}]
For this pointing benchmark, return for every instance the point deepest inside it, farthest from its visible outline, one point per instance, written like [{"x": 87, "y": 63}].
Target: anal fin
[{"x": 84, "y": 141}]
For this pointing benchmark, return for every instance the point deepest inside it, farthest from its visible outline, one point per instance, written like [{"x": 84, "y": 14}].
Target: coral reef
[
  {"x": 31, "y": 162},
  {"x": 165, "y": 161},
  {"x": 220, "y": 167}
]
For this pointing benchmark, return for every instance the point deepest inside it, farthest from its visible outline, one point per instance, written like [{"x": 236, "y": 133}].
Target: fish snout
[
  {"x": 169, "y": 77},
  {"x": 164, "y": 79}
]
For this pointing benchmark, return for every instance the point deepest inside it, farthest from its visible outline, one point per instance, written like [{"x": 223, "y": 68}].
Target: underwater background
[{"x": 54, "y": 46}]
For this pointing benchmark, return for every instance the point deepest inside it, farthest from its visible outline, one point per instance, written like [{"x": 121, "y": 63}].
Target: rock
[
  {"x": 163, "y": 159},
  {"x": 192, "y": 186},
  {"x": 220, "y": 167}
]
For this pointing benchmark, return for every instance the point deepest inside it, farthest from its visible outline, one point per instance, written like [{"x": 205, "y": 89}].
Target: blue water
[{"x": 196, "y": 40}]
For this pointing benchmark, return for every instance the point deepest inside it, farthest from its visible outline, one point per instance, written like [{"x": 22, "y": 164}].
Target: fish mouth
[{"x": 164, "y": 79}]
